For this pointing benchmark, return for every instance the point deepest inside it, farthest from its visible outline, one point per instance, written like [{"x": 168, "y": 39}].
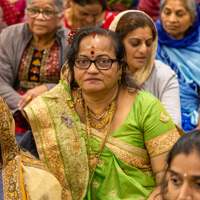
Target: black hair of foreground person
[
  {"x": 187, "y": 144},
  {"x": 119, "y": 49}
]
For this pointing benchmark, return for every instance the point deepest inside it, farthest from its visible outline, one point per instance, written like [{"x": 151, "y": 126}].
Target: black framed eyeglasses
[
  {"x": 101, "y": 64},
  {"x": 47, "y": 14}
]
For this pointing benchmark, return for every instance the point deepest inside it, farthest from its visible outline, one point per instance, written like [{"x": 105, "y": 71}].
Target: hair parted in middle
[
  {"x": 133, "y": 20},
  {"x": 118, "y": 49}
]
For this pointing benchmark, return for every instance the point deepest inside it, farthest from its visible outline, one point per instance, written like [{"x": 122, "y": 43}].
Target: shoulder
[
  {"x": 163, "y": 69},
  {"x": 144, "y": 100},
  {"x": 16, "y": 29},
  {"x": 18, "y": 33},
  {"x": 162, "y": 73},
  {"x": 62, "y": 32}
]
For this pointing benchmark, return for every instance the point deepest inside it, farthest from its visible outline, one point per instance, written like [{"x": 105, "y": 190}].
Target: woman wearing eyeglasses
[
  {"x": 100, "y": 135},
  {"x": 31, "y": 56}
]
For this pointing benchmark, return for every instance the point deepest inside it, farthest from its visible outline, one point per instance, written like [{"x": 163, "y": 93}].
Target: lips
[
  {"x": 170, "y": 27},
  {"x": 92, "y": 79},
  {"x": 140, "y": 59}
]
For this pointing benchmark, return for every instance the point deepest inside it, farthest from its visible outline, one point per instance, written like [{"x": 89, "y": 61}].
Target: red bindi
[
  {"x": 92, "y": 52},
  {"x": 94, "y": 35}
]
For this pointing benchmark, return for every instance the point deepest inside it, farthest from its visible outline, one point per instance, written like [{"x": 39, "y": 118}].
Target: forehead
[
  {"x": 97, "y": 43},
  {"x": 141, "y": 33},
  {"x": 42, "y": 4},
  {"x": 189, "y": 164},
  {"x": 175, "y": 5}
]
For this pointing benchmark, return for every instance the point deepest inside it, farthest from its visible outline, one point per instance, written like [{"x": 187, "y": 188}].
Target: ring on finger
[{"x": 28, "y": 98}]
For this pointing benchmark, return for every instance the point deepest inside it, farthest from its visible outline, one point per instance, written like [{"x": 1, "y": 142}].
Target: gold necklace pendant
[{"x": 93, "y": 161}]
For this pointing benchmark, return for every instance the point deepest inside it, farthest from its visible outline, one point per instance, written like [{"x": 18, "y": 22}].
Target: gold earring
[{"x": 120, "y": 76}]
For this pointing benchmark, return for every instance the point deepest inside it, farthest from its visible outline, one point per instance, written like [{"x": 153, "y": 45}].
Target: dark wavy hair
[
  {"x": 118, "y": 48},
  {"x": 186, "y": 144},
  {"x": 85, "y": 2},
  {"x": 133, "y": 20}
]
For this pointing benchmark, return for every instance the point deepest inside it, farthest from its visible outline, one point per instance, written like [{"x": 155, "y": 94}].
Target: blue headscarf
[
  {"x": 183, "y": 56},
  {"x": 192, "y": 36}
]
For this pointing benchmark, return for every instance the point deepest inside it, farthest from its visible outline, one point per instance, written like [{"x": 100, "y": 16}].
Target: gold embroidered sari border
[
  {"x": 39, "y": 134},
  {"x": 162, "y": 143},
  {"x": 121, "y": 144}
]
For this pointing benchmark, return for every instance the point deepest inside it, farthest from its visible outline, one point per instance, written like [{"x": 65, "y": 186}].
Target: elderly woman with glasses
[
  {"x": 31, "y": 56},
  {"x": 100, "y": 135}
]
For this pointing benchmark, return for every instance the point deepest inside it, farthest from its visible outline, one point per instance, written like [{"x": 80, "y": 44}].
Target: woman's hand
[{"x": 30, "y": 95}]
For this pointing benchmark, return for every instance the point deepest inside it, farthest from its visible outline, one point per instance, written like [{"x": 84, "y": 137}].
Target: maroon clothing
[
  {"x": 151, "y": 7},
  {"x": 10, "y": 13}
]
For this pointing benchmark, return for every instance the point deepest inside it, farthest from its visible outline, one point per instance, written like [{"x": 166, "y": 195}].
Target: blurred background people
[
  {"x": 83, "y": 13},
  {"x": 151, "y": 7},
  {"x": 9, "y": 14},
  {"x": 182, "y": 177},
  {"x": 31, "y": 56},
  {"x": 139, "y": 35},
  {"x": 20, "y": 5},
  {"x": 179, "y": 47}
]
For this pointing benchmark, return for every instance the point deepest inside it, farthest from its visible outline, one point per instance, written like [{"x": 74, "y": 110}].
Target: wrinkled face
[
  {"x": 87, "y": 14},
  {"x": 184, "y": 180},
  {"x": 138, "y": 44},
  {"x": 93, "y": 80},
  {"x": 40, "y": 26},
  {"x": 175, "y": 19}
]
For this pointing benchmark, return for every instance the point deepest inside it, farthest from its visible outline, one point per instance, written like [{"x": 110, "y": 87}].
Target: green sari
[{"x": 124, "y": 170}]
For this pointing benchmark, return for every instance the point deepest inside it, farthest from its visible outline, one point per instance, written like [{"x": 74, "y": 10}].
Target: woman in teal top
[{"x": 99, "y": 134}]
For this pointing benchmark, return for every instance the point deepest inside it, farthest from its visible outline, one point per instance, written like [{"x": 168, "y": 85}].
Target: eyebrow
[
  {"x": 140, "y": 39},
  {"x": 176, "y": 173}
]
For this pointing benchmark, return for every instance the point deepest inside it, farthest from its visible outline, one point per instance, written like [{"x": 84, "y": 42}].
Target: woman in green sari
[{"x": 98, "y": 133}]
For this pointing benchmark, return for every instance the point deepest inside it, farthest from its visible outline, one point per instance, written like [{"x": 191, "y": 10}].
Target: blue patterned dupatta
[{"x": 183, "y": 57}]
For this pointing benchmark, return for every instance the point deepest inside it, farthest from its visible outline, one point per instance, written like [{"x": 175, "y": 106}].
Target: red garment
[
  {"x": 10, "y": 13},
  {"x": 109, "y": 17},
  {"x": 151, "y": 7}
]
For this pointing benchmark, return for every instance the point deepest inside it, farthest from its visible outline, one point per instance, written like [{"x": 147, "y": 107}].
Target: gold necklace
[
  {"x": 102, "y": 116},
  {"x": 105, "y": 121},
  {"x": 94, "y": 159}
]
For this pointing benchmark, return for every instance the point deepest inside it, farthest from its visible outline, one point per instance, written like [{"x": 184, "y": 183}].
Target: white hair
[
  {"x": 58, "y": 4},
  {"x": 190, "y": 6}
]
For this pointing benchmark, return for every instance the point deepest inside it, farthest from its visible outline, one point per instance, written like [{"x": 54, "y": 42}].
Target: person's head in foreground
[
  {"x": 183, "y": 169},
  {"x": 103, "y": 74}
]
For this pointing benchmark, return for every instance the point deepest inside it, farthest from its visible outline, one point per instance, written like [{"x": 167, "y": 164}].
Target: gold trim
[
  {"x": 142, "y": 163},
  {"x": 47, "y": 142},
  {"x": 43, "y": 77},
  {"x": 162, "y": 143},
  {"x": 119, "y": 143},
  {"x": 57, "y": 138}
]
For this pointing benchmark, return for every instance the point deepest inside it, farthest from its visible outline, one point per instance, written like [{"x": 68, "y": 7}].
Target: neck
[
  {"x": 98, "y": 103},
  {"x": 43, "y": 40}
]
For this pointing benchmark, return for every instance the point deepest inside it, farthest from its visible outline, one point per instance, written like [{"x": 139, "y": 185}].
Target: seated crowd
[{"x": 105, "y": 94}]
